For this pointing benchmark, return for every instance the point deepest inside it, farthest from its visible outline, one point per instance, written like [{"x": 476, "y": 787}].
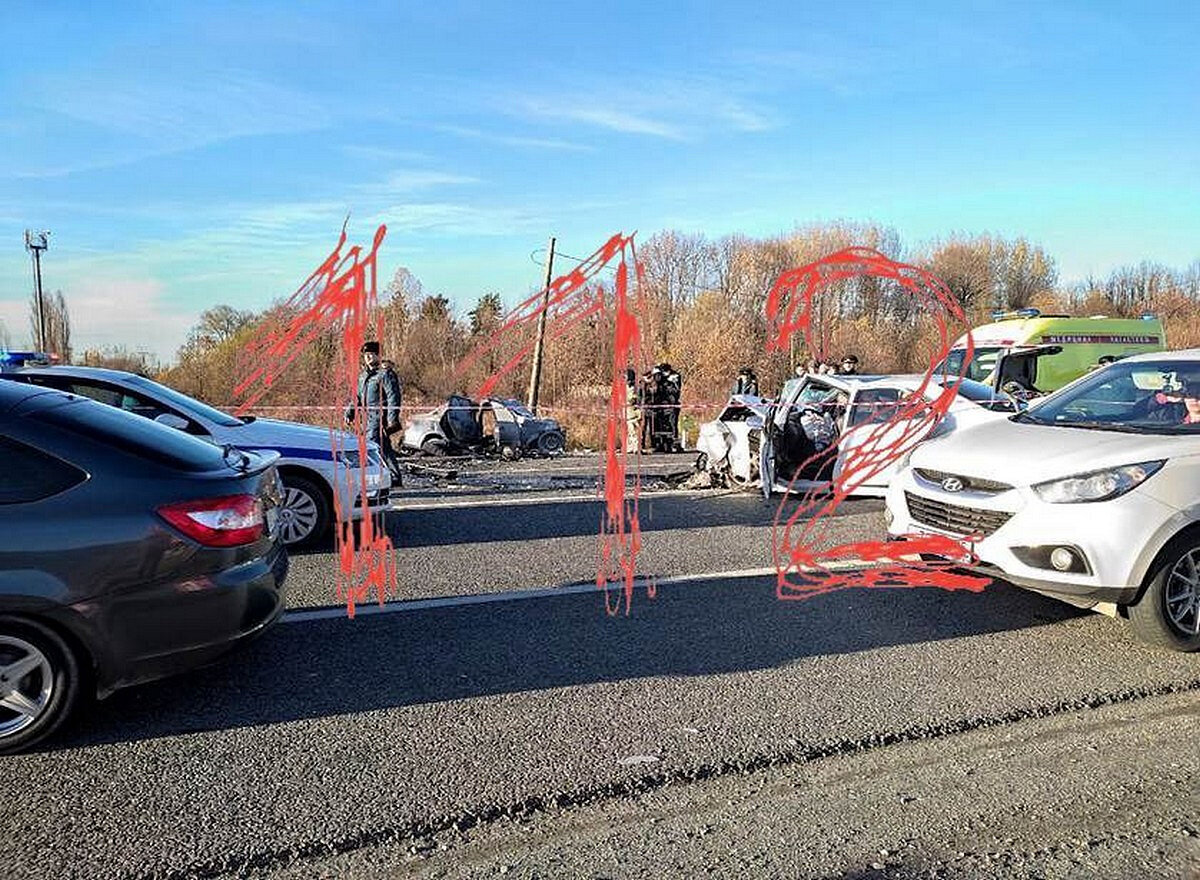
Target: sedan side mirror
[{"x": 172, "y": 421}]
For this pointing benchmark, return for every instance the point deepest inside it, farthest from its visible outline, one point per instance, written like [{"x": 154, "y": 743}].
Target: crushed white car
[{"x": 732, "y": 447}]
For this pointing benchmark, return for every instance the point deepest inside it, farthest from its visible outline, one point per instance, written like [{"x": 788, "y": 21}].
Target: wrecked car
[
  {"x": 490, "y": 426},
  {"x": 819, "y": 413}
]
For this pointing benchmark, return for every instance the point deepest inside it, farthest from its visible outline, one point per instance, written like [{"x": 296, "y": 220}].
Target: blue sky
[{"x": 189, "y": 154}]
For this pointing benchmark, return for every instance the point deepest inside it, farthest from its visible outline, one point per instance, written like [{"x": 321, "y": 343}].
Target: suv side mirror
[{"x": 172, "y": 421}]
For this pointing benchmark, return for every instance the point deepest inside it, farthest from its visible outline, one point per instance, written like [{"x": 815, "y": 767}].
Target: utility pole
[
  {"x": 535, "y": 376},
  {"x": 35, "y": 243}
]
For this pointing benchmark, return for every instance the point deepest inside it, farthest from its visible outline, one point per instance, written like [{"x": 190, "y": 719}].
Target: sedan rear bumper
[{"x": 161, "y": 630}]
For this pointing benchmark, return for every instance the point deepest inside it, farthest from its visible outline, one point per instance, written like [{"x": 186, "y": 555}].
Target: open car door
[
  {"x": 766, "y": 453},
  {"x": 461, "y": 421},
  {"x": 785, "y": 447},
  {"x": 1020, "y": 366}
]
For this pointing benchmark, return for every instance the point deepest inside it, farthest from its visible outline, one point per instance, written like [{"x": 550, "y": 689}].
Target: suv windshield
[
  {"x": 189, "y": 405},
  {"x": 1148, "y": 397},
  {"x": 978, "y": 368}
]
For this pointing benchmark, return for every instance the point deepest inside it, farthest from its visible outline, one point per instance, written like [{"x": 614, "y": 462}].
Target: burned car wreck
[{"x": 491, "y": 426}]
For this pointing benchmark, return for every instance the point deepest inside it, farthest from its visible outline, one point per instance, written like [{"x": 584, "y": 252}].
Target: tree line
[{"x": 703, "y": 310}]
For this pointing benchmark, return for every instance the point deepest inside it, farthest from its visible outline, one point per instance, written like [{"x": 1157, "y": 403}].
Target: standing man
[
  {"x": 747, "y": 382},
  {"x": 379, "y": 395},
  {"x": 671, "y": 392},
  {"x": 849, "y": 365}
]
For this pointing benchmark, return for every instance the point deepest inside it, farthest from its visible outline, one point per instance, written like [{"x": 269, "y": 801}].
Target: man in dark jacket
[
  {"x": 379, "y": 395},
  {"x": 747, "y": 382}
]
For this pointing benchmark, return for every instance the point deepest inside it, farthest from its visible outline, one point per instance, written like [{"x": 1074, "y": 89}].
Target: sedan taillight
[{"x": 229, "y": 521}]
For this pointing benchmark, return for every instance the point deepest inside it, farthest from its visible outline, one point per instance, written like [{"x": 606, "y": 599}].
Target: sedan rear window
[
  {"x": 28, "y": 474},
  {"x": 135, "y": 435}
]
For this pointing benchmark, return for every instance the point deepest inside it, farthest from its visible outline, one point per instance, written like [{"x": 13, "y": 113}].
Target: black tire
[
  {"x": 59, "y": 682},
  {"x": 1162, "y": 616},
  {"x": 551, "y": 443},
  {"x": 436, "y": 447},
  {"x": 305, "y": 516}
]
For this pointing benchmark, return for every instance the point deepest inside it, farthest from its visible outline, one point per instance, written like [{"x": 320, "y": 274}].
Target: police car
[{"x": 317, "y": 482}]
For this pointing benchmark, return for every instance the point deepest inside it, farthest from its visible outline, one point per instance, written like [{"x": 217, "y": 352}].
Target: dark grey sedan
[{"x": 128, "y": 551}]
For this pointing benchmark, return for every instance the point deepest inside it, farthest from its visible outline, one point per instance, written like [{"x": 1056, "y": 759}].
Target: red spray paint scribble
[
  {"x": 803, "y": 571},
  {"x": 572, "y": 298},
  {"x": 339, "y": 296}
]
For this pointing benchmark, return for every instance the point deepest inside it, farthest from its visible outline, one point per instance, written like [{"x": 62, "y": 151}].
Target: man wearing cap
[
  {"x": 379, "y": 395},
  {"x": 747, "y": 382},
  {"x": 849, "y": 366}
]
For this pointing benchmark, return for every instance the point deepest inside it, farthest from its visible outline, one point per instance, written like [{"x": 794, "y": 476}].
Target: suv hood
[{"x": 1023, "y": 454}]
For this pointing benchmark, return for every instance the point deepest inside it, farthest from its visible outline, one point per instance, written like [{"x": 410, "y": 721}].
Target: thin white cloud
[
  {"x": 410, "y": 180},
  {"x": 166, "y": 113},
  {"x": 456, "y": 219},
  {"x": 513, "y": 140},
  {"x": 384, "y": 154},
  {"x": 670, "y": 108},
  {"x": 608, "y": 117}
]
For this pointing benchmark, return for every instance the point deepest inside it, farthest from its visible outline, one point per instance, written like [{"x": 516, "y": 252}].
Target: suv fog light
[
  {"x": 1056, "y": 557},
  {"x": 1062, "y": 558}
]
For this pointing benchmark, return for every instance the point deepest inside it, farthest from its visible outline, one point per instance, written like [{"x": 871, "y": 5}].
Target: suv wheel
[
  {"x": 40, "y": 682},
  {"x": 1168, "y": 614},
  {"x": 304, "y": 515}
]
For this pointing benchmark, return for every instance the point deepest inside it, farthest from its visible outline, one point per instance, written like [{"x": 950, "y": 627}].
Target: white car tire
[{"x": 1169, "y": 608}]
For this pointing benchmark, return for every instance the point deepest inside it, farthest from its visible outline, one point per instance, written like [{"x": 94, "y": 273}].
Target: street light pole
[{"x": 35, "y": 243}]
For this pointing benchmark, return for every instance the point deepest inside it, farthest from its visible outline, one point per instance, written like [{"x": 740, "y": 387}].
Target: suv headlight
[{"x": 1097, "y": 485}]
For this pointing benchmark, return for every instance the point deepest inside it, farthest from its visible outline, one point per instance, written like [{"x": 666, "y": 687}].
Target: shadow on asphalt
[
  {"x": 525, "y": 521},
  {"x": 339, "y": 666}
]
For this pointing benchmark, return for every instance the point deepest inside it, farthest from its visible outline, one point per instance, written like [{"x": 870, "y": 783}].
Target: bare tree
[
  {"x": 58, "y": 324},
  {"x": 215, "y": 327}
]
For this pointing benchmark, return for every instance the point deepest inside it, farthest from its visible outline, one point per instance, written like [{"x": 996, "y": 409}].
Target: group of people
[
  {"x": 848, "y": 366},
  {"x": 747, "y": 381},
  {"x": 652, "y": 409}
]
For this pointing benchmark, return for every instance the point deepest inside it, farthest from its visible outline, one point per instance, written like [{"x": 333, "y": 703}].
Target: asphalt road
[{"x": 521, "y": 730}]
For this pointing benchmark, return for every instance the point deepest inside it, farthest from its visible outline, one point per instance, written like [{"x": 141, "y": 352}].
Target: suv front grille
[
  {"x": 975, "y": 484},
  {"x": 953, "y": 518}
]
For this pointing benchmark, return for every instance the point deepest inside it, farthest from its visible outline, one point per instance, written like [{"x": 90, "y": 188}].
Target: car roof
[
  {"x": 78, "y": 373},
  {"x": 1187, "y": 354},
  {"x": 13, "y": 394}
]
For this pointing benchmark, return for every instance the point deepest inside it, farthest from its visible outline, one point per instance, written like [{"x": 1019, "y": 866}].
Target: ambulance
[{"x": 1042, "y": 353}]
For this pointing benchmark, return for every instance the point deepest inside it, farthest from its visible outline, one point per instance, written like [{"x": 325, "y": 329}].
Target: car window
[
  {"x": 189, "y": 406},
  {"x": 982, "y": 363},
  {"x": 31, "y": 475},
  {"x": 121, "y": 398},
  {"x": 874, "y": 406},
  {"x": 125, "y": 431},
  {"x": 1146, "y": 397}
]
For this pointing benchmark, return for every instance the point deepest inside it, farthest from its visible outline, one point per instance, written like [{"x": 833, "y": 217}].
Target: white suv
[
  {"x": 313, "y": 477},
  {"x": 1091, "y": 496}
]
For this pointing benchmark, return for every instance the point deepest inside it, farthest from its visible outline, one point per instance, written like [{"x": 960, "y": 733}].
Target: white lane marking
[{"x": 404, "y": 605}]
